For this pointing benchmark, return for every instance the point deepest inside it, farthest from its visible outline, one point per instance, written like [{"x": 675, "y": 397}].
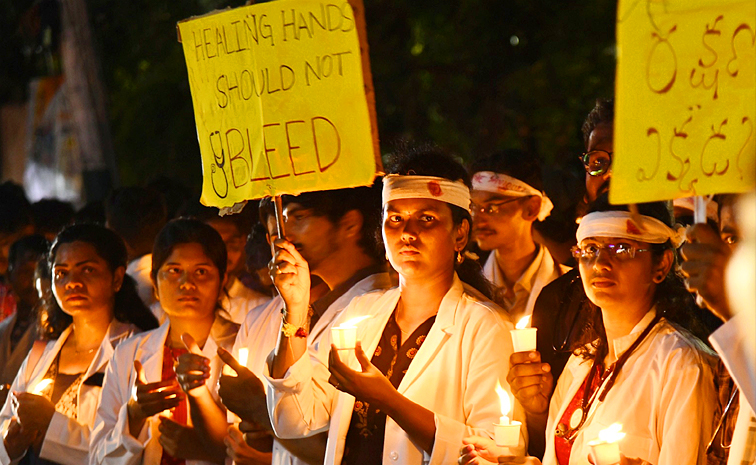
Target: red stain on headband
[
  {"x": 631, "y": 228},
  {"x": 434, "y": 188}
]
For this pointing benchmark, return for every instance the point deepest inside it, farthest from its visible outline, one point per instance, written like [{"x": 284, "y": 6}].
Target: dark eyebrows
[{"x": 65, "y": 265}]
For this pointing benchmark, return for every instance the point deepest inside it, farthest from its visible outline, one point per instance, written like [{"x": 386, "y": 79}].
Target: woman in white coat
[
  {"x": 159, "y": 401},
  {"x": 50, "y": 413},
  {"x": 635, "y": 365},
  {"x": 432, "y": 350}
]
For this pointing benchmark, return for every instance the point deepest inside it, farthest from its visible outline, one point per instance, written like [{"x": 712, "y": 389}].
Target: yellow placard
[
  {"x": 279, "y": 100},
  {"x": 685, "y": 110}
]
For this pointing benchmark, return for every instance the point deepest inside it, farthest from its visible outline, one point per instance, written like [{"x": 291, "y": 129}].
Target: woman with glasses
[
  {"x": 634, "y": 364},
  {"x": 432, "y": 350}
]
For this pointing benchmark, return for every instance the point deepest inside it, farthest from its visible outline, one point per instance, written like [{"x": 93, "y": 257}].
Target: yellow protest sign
[
  {"x": 685, "y": 110},
  {"x": 279, "y": 100}
]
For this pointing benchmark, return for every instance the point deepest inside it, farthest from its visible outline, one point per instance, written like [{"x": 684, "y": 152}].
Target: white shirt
[
  {"x": 112, "y": 442},
  {"x": 259, "y": 333},
  {"x": 541, "y": 271},
  {"x": 140, "y": 269},
  {"x": 664, "y": 398},
  {"x": 238, "y": 300},
  {"x": 454, "y": 375},
  {"x": 66, "y": 440}
]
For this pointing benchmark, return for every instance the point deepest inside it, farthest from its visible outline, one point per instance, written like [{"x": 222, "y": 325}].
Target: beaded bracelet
[{"x": 290, "y": 330}]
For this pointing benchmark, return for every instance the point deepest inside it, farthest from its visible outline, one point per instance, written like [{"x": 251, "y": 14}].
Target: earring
[
  {"x": 658, "y": 278},
  {"x": 460, "y": 257}
]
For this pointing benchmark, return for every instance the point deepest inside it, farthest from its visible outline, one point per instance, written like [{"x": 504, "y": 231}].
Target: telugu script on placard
[
  {"x": 279, "y": 100},
  {"x": 685, "y": 111}
]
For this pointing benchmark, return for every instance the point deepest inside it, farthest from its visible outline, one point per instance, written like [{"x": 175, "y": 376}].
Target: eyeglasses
[
  {"x": 597, "y": 162},
  {"x": 620, "y": 251},
  {"x": 492, "y": 209}
]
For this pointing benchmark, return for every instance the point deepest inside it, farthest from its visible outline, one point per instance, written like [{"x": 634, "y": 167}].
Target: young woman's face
[
  {"x": 82, "y": 280},
  {"x": 421, "y": 237},
  {"x": 616, "y": 282},
  {"x": 188, "y": 283}
]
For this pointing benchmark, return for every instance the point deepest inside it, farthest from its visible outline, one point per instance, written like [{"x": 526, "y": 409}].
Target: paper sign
[
  {"x": 685, "y": 114},
  {"x": 279, "y": 100}
]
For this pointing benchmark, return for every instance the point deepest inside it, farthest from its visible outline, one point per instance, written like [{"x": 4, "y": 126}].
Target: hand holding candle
[
  {"x": 345, "y": 335},
  {"x": 506, "y": 432},
  {"x": 523, "y": 338},
  {"x": 605, "y": 449}
]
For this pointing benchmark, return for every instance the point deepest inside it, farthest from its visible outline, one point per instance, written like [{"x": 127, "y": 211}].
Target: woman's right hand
[
  {"x": 479, "y": 450},
  {"x": 149, "y": 399},
  {"x": 291, "y": 276},
  {"x": 531, "y": 381}
]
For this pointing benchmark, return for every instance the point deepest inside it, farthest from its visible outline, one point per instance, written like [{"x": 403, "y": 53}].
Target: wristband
[{"x": 289, "y": 330}]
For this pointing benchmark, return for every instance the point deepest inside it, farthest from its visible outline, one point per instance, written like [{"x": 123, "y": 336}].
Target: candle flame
[
  {"x": 41, "y": 386},
  {"x": 506, "y": 404},
  {"x": 243, "y": 356},
  {"x": 353, "y": 321},
  {"x": 523, "y": 323},
  {"x": 612, "y": 434}
]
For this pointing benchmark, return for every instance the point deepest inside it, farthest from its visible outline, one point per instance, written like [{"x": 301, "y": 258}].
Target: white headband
[
  {"x": 627, "y": 226},
  {"x": 397, "y": 187},
  {"x": 499, "y": 183}
]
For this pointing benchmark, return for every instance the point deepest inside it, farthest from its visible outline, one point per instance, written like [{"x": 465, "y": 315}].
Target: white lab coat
[
  {"x": 239, "y": 300},
  {"x": 454, "y": 375},
  {"x": 112, "y": 442},
  {"x": 735, "y": 342},
  {"x": 66, "y": 440},
  {"x": 664, "y": 398},
  {"x": 541, "y": 271},
  {"x": 260, "y": 330},
  {"x": 140, "y": 269}
]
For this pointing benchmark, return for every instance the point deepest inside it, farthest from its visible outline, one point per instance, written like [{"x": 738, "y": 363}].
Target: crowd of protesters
[{"x": 149, "y": 329}]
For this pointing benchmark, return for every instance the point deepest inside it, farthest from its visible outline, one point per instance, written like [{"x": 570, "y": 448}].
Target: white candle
[
  {"x": 242, "y": 358},
  {"x": 506, "y": 432},
  {"x": 345, "y": 335},
  {"x": 523, "y": 338},
  {"x": 41, "y": 386},
  {"x": 605, "y": 449}
]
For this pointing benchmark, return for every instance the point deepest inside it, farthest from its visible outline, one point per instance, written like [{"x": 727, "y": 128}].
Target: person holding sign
[
  {"x": 49, "y": 415},
  {"x": 159, "y": 403},
  {"x": 334, "y": 231},
  {"x": 430, "y": 353},
  {"x": 634, "y": 365}
]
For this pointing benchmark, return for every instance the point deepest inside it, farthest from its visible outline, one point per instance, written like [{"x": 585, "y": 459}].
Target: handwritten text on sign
[
  {"x": 279, "y": 100},
  {"x": 685, "y": 119}
]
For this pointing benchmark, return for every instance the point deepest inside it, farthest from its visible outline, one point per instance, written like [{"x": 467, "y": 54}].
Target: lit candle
[
  {"x": 41, "y": 386},
  {"x": 606, "y": 448},
  {"x": 523, "y": 338},
  {"x": 243, "y": 356},
  {"x": 345, "y": 335},
  {"x": 506, "y": 432}
]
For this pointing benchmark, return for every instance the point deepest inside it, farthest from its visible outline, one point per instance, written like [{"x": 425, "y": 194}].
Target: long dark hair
[
  {"x": 189, "y": 231},
  {"x": 428, "y": 160},
  {"x": 671, "y": 298},
  {"x": 127, "y": 308}
]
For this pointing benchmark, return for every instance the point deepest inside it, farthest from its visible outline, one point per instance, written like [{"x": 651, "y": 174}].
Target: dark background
[{"x": 473, "y": 76}]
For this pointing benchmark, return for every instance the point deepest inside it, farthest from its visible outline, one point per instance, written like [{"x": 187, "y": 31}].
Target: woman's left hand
[
  {"x": 369, "y": 385},
  {"x": 34, "y": 412},
  {"x": 480, "y": 450},
  {"x": 192, "y": 369},
  {"x": 17, "y": 440}
]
